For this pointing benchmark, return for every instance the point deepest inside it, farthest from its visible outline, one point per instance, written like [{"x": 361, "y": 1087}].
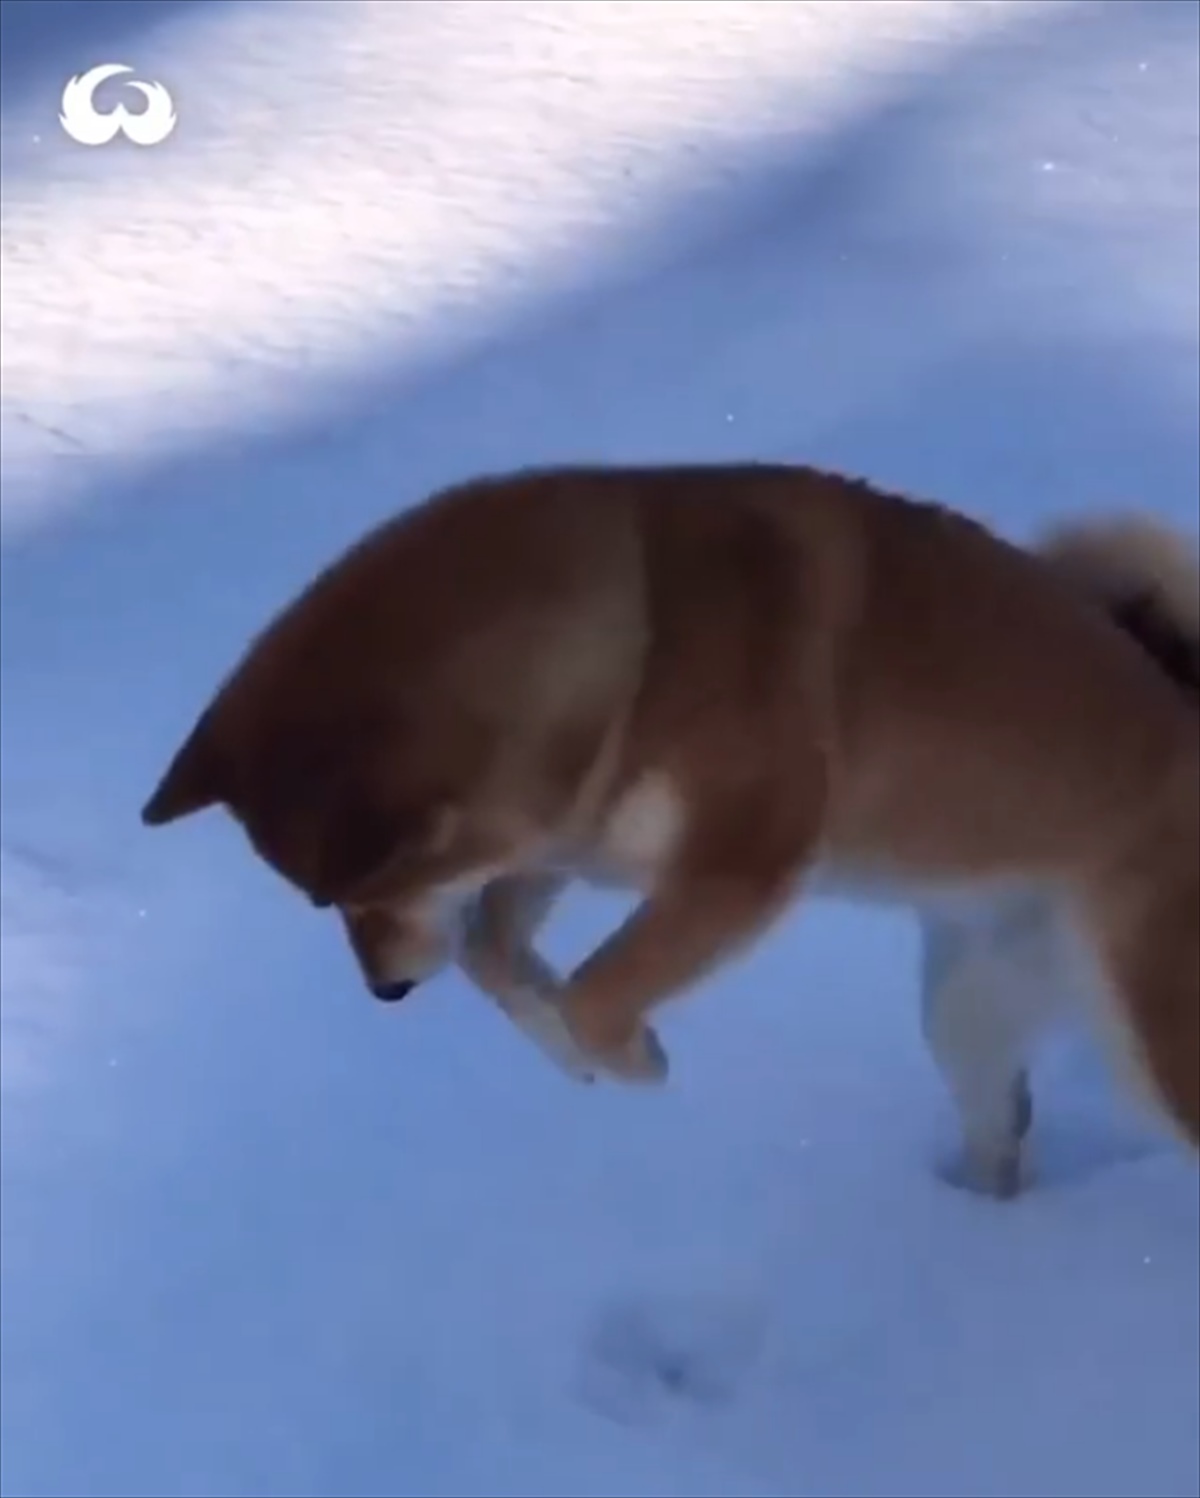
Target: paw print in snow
[{"x": 644, "y": 1358}]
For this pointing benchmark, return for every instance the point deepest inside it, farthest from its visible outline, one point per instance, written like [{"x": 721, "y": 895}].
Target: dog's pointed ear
[{"x": 192, "y": 782}]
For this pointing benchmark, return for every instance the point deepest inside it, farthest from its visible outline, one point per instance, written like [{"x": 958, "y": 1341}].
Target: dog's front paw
[
  {"x": 630, "y": 1052},
  {"x": 541, "y": 1019},
  {"x": 644, "y": 1059}
]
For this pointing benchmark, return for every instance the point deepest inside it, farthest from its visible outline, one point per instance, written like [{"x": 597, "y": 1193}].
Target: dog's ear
[{"x": 192, "y": 782}]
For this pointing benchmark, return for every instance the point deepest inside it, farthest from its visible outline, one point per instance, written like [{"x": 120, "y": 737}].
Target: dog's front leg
[
  {"x": 499, "y": 957},
  {"x": 719, "y": 893}
]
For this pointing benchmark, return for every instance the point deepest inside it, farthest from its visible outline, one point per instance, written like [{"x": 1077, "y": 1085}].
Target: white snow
[{"x": 261, "y": 1236}]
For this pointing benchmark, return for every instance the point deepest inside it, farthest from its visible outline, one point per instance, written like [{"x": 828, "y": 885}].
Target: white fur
[
  {"x": 993, "y": 979},
  {"x": 642, "y": 831}
]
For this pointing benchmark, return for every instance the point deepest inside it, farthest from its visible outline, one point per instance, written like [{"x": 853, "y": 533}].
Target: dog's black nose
[{"x": 391, "y": 993}]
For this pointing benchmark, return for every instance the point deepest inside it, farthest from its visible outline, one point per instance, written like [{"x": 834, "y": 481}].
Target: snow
[{"x": 261, "y": 1236}]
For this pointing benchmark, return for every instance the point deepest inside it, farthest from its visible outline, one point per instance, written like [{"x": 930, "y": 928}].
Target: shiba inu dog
[{"x": 717, "y": 686}]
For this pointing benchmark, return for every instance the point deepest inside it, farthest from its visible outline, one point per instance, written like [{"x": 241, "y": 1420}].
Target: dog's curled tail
[{"x": 1146, "y": 576}]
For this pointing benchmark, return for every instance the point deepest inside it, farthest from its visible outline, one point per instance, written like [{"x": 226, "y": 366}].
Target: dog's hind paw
[
  {"x": 990, "y": 1162},
  {"x": 998, "y": 1175}
]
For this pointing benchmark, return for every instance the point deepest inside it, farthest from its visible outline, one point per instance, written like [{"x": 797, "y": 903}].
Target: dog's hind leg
[
  {"x": 498, "y": 955},
  {"x": 1147, "y": 933},
  {"x": 984, "y": 987}
]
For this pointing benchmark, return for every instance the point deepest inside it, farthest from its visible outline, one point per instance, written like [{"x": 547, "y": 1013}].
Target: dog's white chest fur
[{"x": 639, "y": 836}]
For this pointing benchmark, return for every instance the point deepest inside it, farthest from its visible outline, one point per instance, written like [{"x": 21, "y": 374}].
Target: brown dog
[{"x": 715, "y": 685}]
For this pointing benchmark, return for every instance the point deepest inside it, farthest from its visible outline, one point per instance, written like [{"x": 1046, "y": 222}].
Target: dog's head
[{"x": 328, "y": 806}]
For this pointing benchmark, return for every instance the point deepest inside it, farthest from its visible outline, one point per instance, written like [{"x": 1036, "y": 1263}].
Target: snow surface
[{"x": 261, "y": 1236}]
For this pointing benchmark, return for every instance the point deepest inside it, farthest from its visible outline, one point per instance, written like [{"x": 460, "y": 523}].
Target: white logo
[{"x": 84, "y": 123}]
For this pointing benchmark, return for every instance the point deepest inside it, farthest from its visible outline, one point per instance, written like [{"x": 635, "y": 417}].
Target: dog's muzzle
[{"x": 392, "y": 993}]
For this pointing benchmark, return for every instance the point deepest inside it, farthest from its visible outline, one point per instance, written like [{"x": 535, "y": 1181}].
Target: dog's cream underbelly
[
  {"x": 1024, "y": 928},
  {"x": 959, "y": 900}
]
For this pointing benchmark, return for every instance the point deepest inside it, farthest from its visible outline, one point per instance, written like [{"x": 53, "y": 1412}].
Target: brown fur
[{"x": 710, "y": 683}]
